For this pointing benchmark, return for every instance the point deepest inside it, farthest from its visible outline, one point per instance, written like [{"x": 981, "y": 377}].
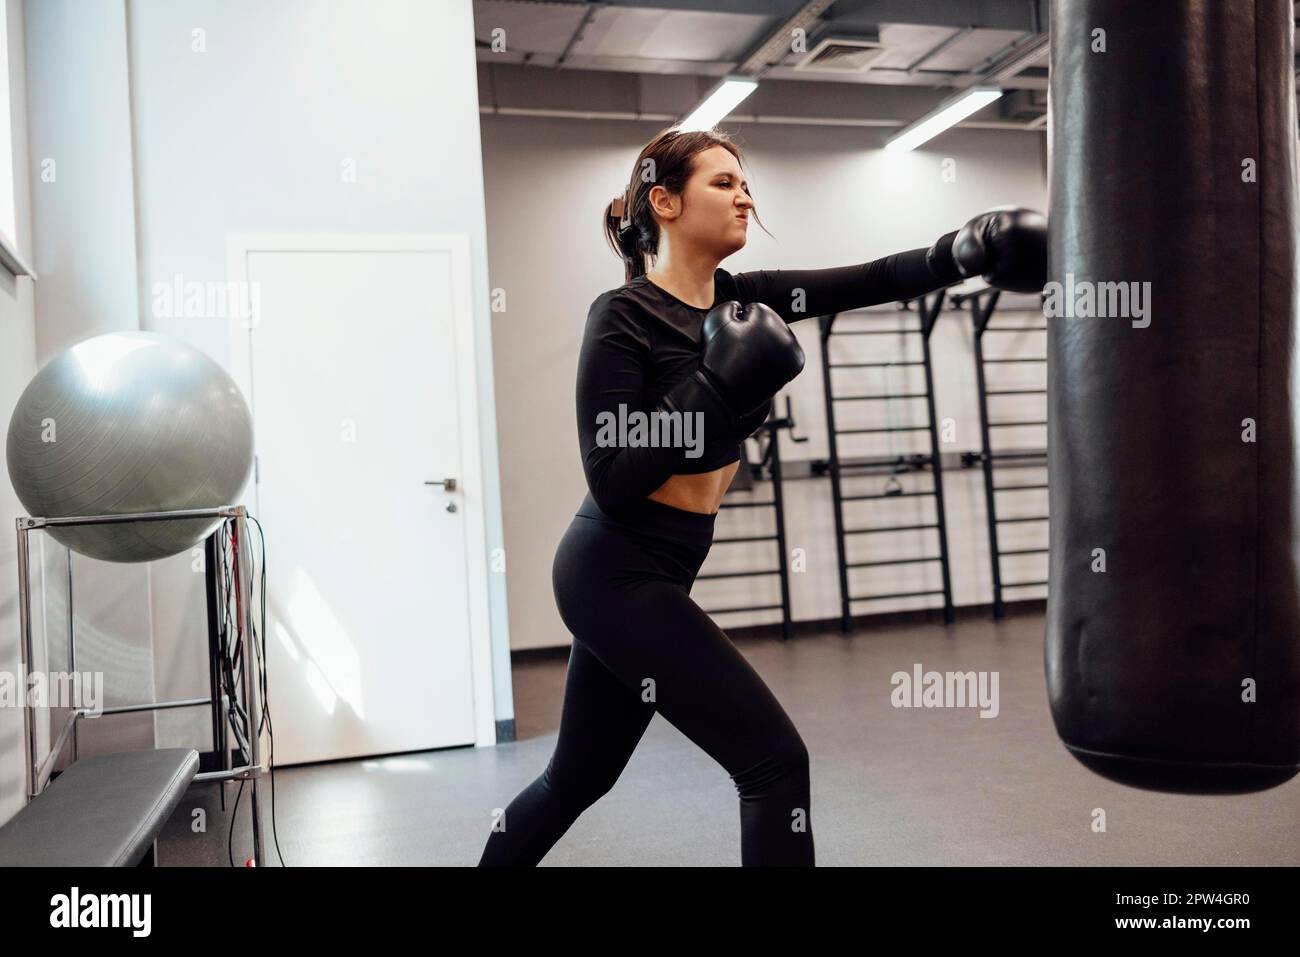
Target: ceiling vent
[
  {"x": 840, "y": 54},
  {"x": 1023, "y": 105}
]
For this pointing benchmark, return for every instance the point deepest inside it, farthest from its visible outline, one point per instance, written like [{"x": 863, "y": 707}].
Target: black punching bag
[{"x": 1173, "y": 616}]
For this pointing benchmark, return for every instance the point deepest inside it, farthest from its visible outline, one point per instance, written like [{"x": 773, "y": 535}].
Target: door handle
[{"x": 448, "y": 484}]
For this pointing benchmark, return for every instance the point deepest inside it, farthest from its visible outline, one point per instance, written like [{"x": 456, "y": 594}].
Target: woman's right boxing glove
[{"x": 749, "y": 354}]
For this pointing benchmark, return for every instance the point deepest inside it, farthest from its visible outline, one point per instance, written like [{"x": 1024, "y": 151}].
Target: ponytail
[{"x": 621, "y": 233}]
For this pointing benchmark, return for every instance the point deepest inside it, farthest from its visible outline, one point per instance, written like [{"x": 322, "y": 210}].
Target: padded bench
[{"x": 103, "y": 811}]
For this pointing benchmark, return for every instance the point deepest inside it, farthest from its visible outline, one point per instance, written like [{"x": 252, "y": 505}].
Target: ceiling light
[
  {"x": 946, "y": 114},
  {"x": 726, "y": 96}
]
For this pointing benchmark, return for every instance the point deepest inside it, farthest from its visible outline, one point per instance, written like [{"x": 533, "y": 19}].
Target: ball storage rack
[{"x": 236, "y": 698}]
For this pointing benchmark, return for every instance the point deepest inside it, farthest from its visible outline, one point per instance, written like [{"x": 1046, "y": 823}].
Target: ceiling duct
[
  {"x": 1023, "y": 105},
  {"x": 843, "y": 54}
]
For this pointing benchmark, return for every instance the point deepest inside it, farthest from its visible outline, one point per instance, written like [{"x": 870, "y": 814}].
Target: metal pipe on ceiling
[{"x": 1032, "y": 125}]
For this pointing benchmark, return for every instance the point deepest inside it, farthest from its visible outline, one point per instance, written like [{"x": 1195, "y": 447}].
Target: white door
[{"x": 352, "y": 363}]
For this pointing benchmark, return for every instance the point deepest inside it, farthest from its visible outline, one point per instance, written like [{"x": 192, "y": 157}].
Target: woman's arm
[
  {"x": 798, "y": 293},
  {"x": 611, "y": 372},
  {"x": 1006, "y": 245}
]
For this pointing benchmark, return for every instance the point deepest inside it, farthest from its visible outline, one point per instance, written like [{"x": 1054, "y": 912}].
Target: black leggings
[{"x": 641, "y": 645}]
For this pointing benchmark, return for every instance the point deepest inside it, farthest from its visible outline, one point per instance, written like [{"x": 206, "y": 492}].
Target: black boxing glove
[
  {"x": 749, "y": 354},
  {"x": 1006, "y": 245},
  {"x": 752, "y": 421}
]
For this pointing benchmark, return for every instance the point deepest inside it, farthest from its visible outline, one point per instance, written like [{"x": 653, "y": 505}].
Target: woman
[{"x": 674, "y": 339}]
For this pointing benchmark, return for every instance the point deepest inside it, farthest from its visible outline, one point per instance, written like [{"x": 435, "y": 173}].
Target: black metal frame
[
  {"x": 982, "y": 306},
  {"x": 769, "y": 462},
  {"x": 836, "y": 467}
]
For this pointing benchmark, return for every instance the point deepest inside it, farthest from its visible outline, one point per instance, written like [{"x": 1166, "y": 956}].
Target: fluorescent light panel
[
  {"x": 942, "y": 117},
  {"x": 728, "y": 94}
]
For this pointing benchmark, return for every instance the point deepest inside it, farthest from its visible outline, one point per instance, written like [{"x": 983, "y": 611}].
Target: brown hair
[{"x": 668, "y": 160}]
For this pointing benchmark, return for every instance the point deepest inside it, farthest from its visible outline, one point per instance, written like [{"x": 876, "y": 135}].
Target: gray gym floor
[{"x": 889, "y": 786}]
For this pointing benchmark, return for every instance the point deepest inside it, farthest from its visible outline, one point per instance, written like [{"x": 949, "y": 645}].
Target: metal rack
[
  {"x": 995, "y": 460},
  {"x": 838, "y": 467},
  {"x": 769, "y": 466},
  {"x": 250, "y": 765}
]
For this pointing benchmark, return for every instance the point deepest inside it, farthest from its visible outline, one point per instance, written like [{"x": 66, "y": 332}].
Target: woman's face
[{"x": 715, "y": 212}]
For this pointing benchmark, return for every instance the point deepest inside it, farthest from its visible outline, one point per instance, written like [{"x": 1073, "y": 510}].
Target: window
[{"x": 8, "y": 224}]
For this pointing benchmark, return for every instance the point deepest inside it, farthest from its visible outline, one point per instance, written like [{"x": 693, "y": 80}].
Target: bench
[{"x": 103, "y": 811}]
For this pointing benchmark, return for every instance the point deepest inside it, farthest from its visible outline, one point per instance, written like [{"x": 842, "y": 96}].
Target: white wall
[
  {"x": 831, "y": 197},
  {"x": 175, "y": 122},
  {"x": 252, "y": 134},
  {"x": 73, "y": 193},
  {"x": 85, "y": 258},
  {"x": 17, "y": 365}
]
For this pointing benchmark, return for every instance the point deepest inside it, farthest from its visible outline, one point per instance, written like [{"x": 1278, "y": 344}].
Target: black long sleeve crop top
[{"x": 640, "y": 341}]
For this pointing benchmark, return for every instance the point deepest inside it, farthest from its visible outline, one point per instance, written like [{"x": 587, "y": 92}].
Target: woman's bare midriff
[{"x": 697, "y": 493}]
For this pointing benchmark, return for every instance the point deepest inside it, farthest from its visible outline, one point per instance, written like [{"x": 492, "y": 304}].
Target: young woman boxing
[{"x": 691, "y": 343}]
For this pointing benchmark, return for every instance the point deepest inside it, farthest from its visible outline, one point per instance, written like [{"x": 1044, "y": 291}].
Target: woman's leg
[
  {"x": 601, "y": 722},
  {"x": 626, "y": 602},
  {"x": 658, "y": 638}
]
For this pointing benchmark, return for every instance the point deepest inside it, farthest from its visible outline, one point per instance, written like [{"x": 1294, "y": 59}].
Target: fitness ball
[{"x": 129, "y": 422}]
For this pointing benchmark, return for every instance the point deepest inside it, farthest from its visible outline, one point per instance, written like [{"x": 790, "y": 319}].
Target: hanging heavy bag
[{"x": 1173, "y": 625}]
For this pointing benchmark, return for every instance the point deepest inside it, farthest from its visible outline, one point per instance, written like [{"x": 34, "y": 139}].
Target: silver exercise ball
[{"x": 130, "y": 422}]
